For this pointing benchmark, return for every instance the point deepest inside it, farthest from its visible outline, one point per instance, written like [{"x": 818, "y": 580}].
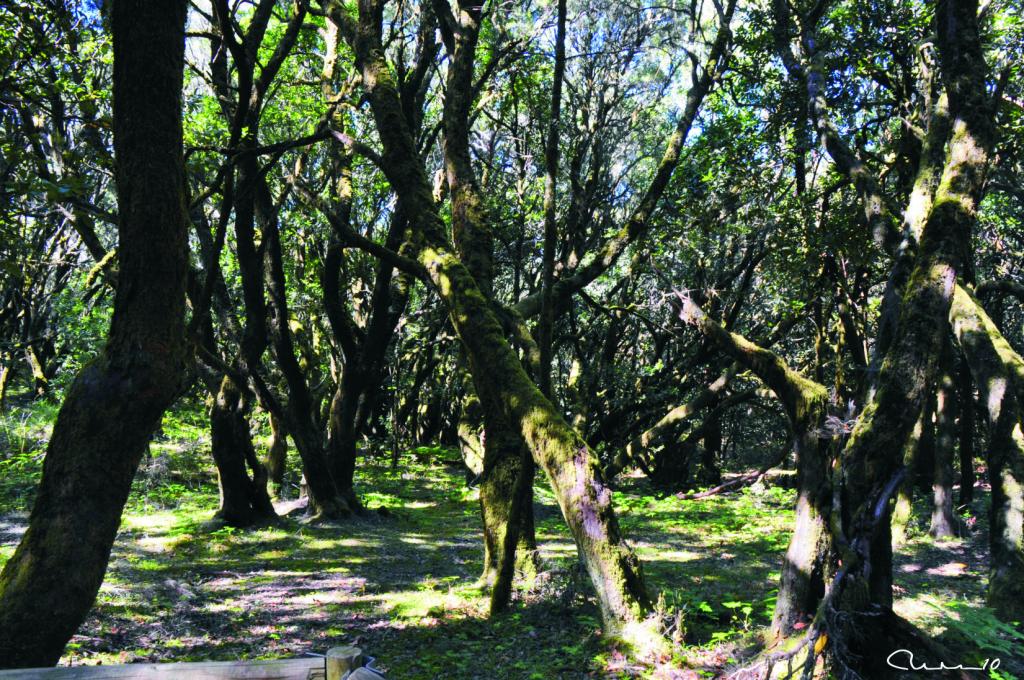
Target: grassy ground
[{"x": 402, "y": 586}]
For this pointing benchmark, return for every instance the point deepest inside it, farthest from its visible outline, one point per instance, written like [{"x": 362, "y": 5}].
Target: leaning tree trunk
[
  {"x": 999, "y": 372},
  {"x": 808, "y": 562},
  {"x": 571, "y": 467},
  {"x": 117, "y": 401}
]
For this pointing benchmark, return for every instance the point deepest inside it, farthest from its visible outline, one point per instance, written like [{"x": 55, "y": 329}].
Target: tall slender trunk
[
  {"x": 943, "y": 523},
  {"x": 903, "y": 509},
  {"x": 965, "y": 453},
  {"x": 116, "y": 402}
]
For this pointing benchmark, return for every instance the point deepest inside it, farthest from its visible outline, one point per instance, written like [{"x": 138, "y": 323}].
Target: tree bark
[
  {"x": 117, "y": 401},
  {"x": 277, "y": 455},
  {"x": 243, "y": 500},
  {"x": 943, "y": 523}
]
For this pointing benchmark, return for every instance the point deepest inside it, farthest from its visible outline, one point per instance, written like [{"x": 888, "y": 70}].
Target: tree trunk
[
  {"x": 924, "y": 460},
  {"x": 243, "y": 500},
  {"x": 277, "y": 455},
  {"x": 943, "y": 523},
  {"x": 709, "y": 474},
  {"x": 117, "y": 401},
  {"x": 519, "y": 535},
  {"x": 808, "y": 562},
  {"x": 571, "y": 467},
  {"x": 501, "y": 509},
  {"x": 903, "y": 509},
  {"x": 965, "y": 392},
  {"x": 471, "y": 442},
  {"x": 40, "y": 383},
  {"x": 5, "y": 378},
  {"x": 998, "y": 371},
  {"x": 342, "y": 435}
]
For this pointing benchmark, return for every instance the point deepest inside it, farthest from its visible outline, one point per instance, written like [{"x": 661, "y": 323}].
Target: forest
[{"x": 545, "y": 339}]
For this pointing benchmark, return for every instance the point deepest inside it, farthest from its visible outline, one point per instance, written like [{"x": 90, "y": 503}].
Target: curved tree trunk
[
  {"x": 808, "y": 563},
  {"x": 571, "y": 466},
  {"x": 243, "y": 500},
  {"x": 999, "y": 372},
  {"x": 117, "y": 401}
]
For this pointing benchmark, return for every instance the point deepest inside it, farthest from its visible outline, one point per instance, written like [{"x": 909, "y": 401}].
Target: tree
[{"x": 117, "y": 401}]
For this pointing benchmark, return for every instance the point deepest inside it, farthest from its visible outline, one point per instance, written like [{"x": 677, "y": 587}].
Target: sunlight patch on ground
[
  {"x": 419, "y": 505},
  {"x": 150, "y": 521},
  {"x": 670, "y": 555}
]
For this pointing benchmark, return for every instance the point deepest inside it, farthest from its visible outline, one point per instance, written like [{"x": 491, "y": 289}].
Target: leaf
[{"x": 820, "y": 643}]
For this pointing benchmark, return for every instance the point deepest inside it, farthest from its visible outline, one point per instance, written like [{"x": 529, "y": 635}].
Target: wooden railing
[{"x": 340, "y": 663}]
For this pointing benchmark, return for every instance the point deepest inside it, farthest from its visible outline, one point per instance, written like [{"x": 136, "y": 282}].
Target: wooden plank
[{"x": 280, "y": 669}]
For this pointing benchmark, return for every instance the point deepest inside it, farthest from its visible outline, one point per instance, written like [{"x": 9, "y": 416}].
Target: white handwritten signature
[{"x": 989, "y": 665}]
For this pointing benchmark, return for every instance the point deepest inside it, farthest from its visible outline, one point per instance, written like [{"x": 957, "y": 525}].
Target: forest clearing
[
  {"x": 494, "y": 339},
  {"x": 403, "y": 586}
]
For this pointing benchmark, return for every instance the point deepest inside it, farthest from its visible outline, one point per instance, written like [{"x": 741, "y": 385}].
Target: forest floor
[{"x": 402, "y": 586}]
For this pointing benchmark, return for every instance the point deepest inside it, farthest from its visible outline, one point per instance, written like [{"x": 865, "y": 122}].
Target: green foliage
[{"x": 975, "y": 627}]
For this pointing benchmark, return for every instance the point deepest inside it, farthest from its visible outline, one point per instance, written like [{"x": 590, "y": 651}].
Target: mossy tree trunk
[
  {"x": 807, "y": 563},
  {"x": 277, "y": 454},
  {"x": 571, "y": 467},
  {"x": 471, "y": 444},
  {"x": 471, "y": 232},
  {"x": 999, "y": 372},
  {"x": 118, "y": 399},
  {"x": 869, "y": 469}
]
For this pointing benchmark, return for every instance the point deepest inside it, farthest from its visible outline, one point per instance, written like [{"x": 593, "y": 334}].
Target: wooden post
[{"x": 341, "y": 660}]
